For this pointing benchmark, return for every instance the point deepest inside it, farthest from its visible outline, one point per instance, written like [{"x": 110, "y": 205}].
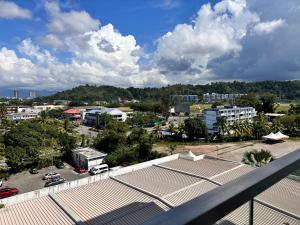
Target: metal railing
[{"x": 217, "y": 203}]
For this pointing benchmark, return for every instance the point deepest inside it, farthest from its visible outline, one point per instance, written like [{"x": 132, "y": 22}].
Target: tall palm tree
[
  {"x": 222, "y": 125},
  {"x": 237, "y": 129}
]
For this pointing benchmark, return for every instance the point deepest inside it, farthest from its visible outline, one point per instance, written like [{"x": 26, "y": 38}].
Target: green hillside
[{"x": 284, "y": 90}]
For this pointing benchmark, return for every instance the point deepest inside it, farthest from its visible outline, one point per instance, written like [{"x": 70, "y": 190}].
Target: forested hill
[{"x": 285, "y": 90}]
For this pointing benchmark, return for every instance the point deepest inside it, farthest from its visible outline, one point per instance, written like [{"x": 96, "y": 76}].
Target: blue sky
[
  {"x": 59, "y": 44},
  {"x": 147, "y": 20}
]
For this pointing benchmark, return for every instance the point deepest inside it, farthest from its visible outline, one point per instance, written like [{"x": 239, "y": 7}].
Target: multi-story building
[
  {"x": 87, "y": 157},
  {"x": 215, "y": 97},
  {"x": 16, "y": 94},
  {"x": 22, "y": 116},
  {"x": 231, "y": 113},
  {"x": 91, "y": 117},
  {"x": 179, "y": 99}
]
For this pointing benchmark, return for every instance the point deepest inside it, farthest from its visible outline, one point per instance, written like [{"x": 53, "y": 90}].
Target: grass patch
[
  {"x": 197, "y": 108},
  {"x": 283, "y": 107}
]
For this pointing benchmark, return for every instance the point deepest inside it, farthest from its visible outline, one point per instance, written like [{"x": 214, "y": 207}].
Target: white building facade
[
  {"x": 231, "y": 114},
  {"x": 87, "y": 157}
]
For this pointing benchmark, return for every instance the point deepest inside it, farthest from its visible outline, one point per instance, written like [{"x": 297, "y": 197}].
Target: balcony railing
[{"x": 217, "y": 203}]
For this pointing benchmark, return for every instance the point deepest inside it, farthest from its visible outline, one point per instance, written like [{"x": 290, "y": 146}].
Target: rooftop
[
  {"x": 89, "y": 153},
  {"x": 135, "y": 194}
]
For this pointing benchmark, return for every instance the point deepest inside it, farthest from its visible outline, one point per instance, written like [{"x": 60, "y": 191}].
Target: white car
[
  {"x": 99, "y": 169},
  {"x": 51, "y": 175}
]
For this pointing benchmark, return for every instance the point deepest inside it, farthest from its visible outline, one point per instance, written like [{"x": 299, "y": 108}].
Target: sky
[{"x": 60, "y": 44}]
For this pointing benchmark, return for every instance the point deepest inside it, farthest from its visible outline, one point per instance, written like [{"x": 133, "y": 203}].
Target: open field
[
  {"x": 197, "y": 108},
  {"x": 283, "y": 107},
  {"x": 235, "y": 150}
]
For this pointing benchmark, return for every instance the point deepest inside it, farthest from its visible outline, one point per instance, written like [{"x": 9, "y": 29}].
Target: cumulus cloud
[
  {"x": 216, "y": 31},
  {"x": 73, "y": 22},
  {"x": 10, "y": 10},
  {"x": 268, "y": 27},
  {"x": 52, "y": 41},
  {"x": 231, "y": 40}
]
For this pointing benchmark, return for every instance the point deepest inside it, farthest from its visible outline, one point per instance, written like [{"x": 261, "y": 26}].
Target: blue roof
[{"x": 105, "y": 110}]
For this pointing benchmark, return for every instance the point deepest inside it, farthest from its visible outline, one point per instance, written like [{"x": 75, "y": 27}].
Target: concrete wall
[{"x": 84, "y": 181}]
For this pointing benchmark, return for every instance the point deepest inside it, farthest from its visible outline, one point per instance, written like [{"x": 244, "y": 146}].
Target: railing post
[{"x": 251, "y": 211}]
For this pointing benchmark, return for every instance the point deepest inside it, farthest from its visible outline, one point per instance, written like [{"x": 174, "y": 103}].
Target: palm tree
[
  {"x": 258, "y": 158},
  {"x": 237, "y": 128},
  {"x": 156, "y": 132},
  {"x": 222, "y": 125}
]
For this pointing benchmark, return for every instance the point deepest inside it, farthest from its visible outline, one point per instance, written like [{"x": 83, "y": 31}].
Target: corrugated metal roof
[
  {"x": 105, "y": 201},
  {"x": 232, "y": 174},
  {"x": 262, "y": 216},
  {"x": 39, "y": 211},
  {"x": 202, "y": 167},
  {"x": 113, "y": 202},
  {"x": 157, "y": 180},
  {"x": 285, "y": 195},
  {"x": 190, "y": 193}
]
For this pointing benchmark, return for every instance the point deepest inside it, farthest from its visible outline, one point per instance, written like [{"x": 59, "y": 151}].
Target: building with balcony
[
  {"x": 176, "y": 189},
  {"x": 216, "y": 97},
  {"x": 231, "y": 113},
  {"x": 22, "y": 116}
]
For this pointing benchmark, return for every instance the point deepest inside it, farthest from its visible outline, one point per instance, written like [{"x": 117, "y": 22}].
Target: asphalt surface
[{"x": 27, "y": 182}]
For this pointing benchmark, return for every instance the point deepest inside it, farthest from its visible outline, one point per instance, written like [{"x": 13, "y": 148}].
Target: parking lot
[{"x": 26, "y": 181}]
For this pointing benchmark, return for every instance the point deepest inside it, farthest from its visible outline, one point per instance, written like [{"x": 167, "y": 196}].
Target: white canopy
[
  {"x": 281, "y": 135},
  {"x": 275, "y": 137}
]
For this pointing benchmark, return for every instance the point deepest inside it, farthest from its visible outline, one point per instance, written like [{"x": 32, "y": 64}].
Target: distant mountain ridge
[{"x": 286, "y": 90}]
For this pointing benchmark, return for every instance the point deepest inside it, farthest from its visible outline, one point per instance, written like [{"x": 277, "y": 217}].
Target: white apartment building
[{"x": 232, "y": 113}]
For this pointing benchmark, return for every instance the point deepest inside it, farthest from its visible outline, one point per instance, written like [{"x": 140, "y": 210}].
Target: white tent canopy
[{"x": 275, "y": 137}]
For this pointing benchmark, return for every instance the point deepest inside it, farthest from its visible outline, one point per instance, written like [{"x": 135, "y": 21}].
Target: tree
[
  {"x": 294, "y": 109},
  {"x": 268, "y": 103},
  {"x": 195, "y": 128},
  {"x": 3, "y": 111},
  {"x": 104, "y": 119},
  {"x": 222, "y": 126},
  {"x": 258, "y": 158}
]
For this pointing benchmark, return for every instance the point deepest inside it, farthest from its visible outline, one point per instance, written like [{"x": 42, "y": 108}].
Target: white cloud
[
  {"x": 9, "y": 10},
  {"x": 34, "y": 52},
  {"x": 216, "y": 31},
  {"x": 268, "y": 27},
  {"x": 52, "y": 41},
  {"x": 73, "y": 22}
]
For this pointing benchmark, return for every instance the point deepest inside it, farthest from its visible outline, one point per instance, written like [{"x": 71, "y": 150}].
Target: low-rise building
[
  {"x": 48, "y": 107},
  {"x": 87, "y": 157},
  {"x": 72, "y": 114},
  {"x": 22, "y": 116},
  {"x": 184, "y": 99},
  {"x": 231, "y": 113}
]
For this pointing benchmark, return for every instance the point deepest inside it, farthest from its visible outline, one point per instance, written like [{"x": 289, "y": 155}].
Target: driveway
[{"x": 27, "y": 182}]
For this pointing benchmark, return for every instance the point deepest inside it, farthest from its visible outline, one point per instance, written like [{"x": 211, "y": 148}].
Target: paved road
[
  {"x": 86, "y": 131},
  {"x": 26, "y": 182}
]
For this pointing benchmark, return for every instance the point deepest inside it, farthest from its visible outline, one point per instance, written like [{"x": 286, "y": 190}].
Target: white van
[{"x": 99, "y": 169}]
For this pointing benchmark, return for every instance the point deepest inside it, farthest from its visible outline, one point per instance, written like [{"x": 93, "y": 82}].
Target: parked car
[
  {"x": 51, "y": 175},
  {"x": 79, "y": 169},
  {"x": 60, "y": 165},
  {"x": 54, "y": 181},
  {"x": 34, "y": 171},
  {"x": 7, "y": 192},
  {"x": 99, "y": 169}
]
